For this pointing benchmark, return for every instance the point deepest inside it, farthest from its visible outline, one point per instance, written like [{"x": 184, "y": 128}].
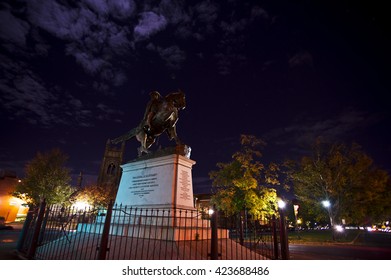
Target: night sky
[{"x": 76, "y": 73}]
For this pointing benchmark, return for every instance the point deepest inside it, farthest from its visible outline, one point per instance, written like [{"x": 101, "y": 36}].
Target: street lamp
[
  {"x": 281, "y": 204},
  {"x": 327, "y": 204},
  {"x": 283, "y": 230},
  {"x": 296, "y": 212}
]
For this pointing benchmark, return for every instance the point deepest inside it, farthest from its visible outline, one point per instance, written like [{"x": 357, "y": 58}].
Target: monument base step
[{"x": 171, "y": 233}]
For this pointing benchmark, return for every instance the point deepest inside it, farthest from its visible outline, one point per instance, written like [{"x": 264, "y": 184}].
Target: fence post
[
  {"x": 105, "y": 234},
  {"x": 37, "y": 230},
  {"x": 214, "y": 254},
  {"x": 44, "y": 223},
  {"x": 283, "y": 237},
  {"x": 275, "y": 240},
  {"x": 25, "y": 229},
  {"x": 241, "y": 236}
]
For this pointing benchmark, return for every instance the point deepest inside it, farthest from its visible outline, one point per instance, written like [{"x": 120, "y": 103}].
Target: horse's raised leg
[
  {"x": 141, "y": 136},
  {"x": 173, "y": 135},
  {"x": 141, "y": 150}
]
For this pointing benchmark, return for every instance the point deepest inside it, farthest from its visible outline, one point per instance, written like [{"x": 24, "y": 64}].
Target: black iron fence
[{"x": 121, "y": 232}]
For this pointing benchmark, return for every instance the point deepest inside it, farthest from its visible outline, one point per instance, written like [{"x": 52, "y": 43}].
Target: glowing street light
[
  {"x": 81, "y": 205},
  {"x": 326, "y": 203},
  {"x": 339, "y": 228},
  {"x": 283, "y": 230},
  {"x": 296, "y": 207},
  {"x": 281, "y": 204}
]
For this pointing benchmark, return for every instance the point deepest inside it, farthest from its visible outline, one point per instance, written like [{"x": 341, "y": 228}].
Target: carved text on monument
[
  {"x": 143, "y": 184},
  {"x": 184, "y": 181}
]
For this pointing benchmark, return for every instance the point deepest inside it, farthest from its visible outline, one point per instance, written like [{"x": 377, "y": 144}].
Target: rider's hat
[{"x": 154, "y": 94}]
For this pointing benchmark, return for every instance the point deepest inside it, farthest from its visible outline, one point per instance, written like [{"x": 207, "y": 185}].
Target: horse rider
[{"x": 151, "y": 110}]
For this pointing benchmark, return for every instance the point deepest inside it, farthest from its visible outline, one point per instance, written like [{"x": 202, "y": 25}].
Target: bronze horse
[{"x": 161, "y": 115}]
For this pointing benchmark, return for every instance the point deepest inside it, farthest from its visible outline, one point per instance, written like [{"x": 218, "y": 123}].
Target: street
[
  {"x": 371, "y": 246},
  {"x": 8, "y": 241},
  {"x": 338, "y": 252}
]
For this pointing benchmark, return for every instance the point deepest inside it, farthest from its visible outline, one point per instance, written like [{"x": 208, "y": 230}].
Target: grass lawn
[{"x": 322, "y": 236}]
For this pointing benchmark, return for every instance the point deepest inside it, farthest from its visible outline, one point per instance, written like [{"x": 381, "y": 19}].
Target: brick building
[{"x": 11, "y": 208}]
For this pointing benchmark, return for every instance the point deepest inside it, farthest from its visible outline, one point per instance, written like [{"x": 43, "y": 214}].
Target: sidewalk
[{"x": 8, "y": 241}]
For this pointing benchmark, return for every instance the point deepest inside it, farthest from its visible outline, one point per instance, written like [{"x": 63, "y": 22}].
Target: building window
[{"x": 111, "y": 169}]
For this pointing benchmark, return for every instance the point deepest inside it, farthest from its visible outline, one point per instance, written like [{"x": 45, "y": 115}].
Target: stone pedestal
[
  {"x": 155, "y": 200},
  {"x": 157, "y": 182}
]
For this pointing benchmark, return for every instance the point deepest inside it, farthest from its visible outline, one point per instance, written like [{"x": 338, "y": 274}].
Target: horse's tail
[{"x": 130, "y": 134}]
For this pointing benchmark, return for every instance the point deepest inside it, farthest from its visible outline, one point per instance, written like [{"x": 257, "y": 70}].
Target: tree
[
  {"x": 244, "y": 183},
  {"x": 46, "y": 178},
  {"x": 357, "y": 190},
  {"x": 93, "y": 195}
]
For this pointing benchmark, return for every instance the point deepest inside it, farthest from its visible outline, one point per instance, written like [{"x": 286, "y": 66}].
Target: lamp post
[
  {"x": 281, "y": 204},
  {"x": 296, "y": 211},
  {"x": 327, "y": 204},
  {"x": 283, "y": 231}
]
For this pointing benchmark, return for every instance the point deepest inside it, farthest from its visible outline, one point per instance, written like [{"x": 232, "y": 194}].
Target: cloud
[
  {"x": 304, "y": 131},
  {"x": 207, "y": 11},
  {"x": 149, "y": 24},
  {"x": 12, "y": 29},
  {"x": 99, "y": 6},
  {"x": 303, "y": 58},
  {"x": 26, "y": 96},
  {"x": 106, "y": 113},
  {"x": 175, "y": 12},
  {"x": 24, "y": 93},
  {"x": 233, "y": 27},
  {"x": 205, "y": 15},
  {"x": 173, "y": 56},
  {"x": 179, "y": 16},
  {"x": 57, "y": 19},
  {"x": 84, "y": 30},
  {"x": 258, "y": 12},
  {"x": 105, "y": 39},
  {"x": 236, "y": 30},
  {"x": 120, "y": 9},
  {"x": 231, "y": 45},
  {"x": 90, "y": 63},
  {"x": 87, "y": 31}
]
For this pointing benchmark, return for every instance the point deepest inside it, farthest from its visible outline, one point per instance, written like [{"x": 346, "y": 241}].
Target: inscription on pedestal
[
  {"x": 164, "y": 181},
  {"x": 142, "y": 185},
  {"x": 184, "y": 181}
]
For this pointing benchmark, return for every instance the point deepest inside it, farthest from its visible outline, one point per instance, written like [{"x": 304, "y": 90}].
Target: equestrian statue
[{"x": 161, "y": 114}]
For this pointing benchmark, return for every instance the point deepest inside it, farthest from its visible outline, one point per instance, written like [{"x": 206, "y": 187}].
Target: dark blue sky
[{"x": 75, "y": 73}]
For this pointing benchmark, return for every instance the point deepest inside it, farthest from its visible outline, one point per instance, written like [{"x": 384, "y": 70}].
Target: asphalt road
[
  {"x": 369, "y": 246},
  {"x": 338, "y": 252},
  {"x": 8, "y": 242}
]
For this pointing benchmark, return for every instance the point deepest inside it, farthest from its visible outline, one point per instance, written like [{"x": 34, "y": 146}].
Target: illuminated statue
[{"x": 161, "y": 115}]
